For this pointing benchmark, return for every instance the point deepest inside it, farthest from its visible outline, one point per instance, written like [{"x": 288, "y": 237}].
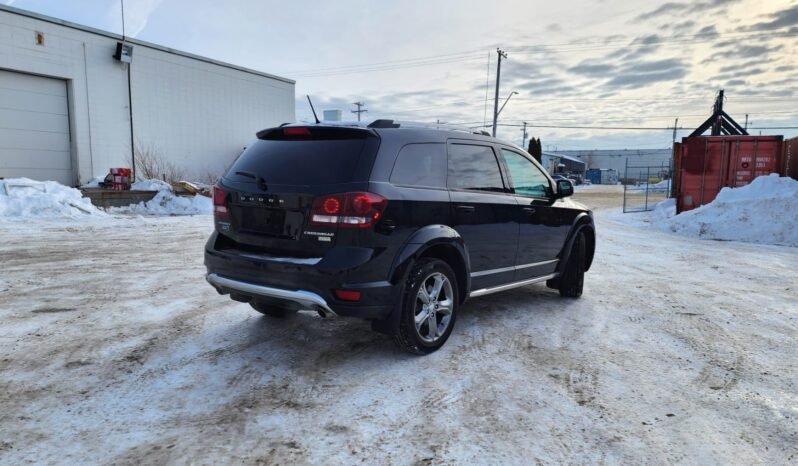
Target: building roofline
[
  {"x": 562, "y": 156},
  {"x": 111, "y": 35}
]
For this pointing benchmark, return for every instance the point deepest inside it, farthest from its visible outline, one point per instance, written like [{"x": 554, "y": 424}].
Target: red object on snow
[
  {"x": 706, "y": 164},
  {"x": 121, "y": 178}
]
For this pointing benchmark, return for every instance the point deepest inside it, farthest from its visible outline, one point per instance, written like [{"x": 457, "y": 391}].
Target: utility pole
[
  {"x": 523, "y": 144},
  {"x": 675, "y": 123},
  {"x": 359, "y": 111},
  {"x": 496, "y": 100},
  {"x": 746, "y": 122}
]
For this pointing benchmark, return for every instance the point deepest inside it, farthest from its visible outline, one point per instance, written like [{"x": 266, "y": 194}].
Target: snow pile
[
  {"x": 151, "y": 185},
  {"x": 761, "y": 212},
  {"x": 94, "y": 183},
  {"x": 663, "y": 211},
  {"x": 662, "y": 186},
  {"x": 167, "y": 203},
  {"x": 23, "y": 197}
]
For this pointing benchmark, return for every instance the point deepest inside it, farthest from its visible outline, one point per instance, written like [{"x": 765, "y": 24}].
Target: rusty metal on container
[{"x": 706, "y": 164}]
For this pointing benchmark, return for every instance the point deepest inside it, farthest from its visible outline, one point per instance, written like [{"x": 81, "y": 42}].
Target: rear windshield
[{"x": 299, "y": 161}]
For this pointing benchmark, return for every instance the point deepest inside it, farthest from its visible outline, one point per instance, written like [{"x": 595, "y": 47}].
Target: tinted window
[
  {"x": 474, "y": 167},
  {"x": 525, "y": 178},
  {"x": 421, "y": 165},
  {"x": 298, "y": 162}
]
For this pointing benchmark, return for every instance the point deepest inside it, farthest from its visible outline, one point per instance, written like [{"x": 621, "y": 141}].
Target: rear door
[
  {"x": 543, "y": 226},
  {"x": 272, "y": 186},
  {"x": 482, "y": 212}
]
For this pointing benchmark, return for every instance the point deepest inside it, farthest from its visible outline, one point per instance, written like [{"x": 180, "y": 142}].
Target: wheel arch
[
  {"x": 439, "y": 241},
  {"x": 582, "y": 224}
]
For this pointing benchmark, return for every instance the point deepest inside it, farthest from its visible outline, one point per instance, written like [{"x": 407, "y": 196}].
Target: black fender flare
[
  {"x": 582, "y": 222},
  {"x": 416, "y": 245}
]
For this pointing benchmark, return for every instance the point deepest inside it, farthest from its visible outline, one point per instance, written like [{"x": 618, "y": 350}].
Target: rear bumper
[
  {"x": 298, "y": 285},
  {"x": 298, "y": 297}
]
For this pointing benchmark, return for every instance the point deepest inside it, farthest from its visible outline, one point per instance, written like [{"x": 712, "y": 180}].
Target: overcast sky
[{"x": 610, "y": 63}]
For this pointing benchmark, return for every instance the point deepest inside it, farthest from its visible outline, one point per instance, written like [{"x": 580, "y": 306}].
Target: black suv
[{"x": 392, "y": 223}]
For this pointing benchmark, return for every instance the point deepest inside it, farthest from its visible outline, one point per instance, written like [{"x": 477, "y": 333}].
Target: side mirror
[{"x": 564, "y": 188}]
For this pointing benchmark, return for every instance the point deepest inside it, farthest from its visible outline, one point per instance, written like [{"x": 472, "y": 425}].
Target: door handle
[
  {"x": 466, "y": 209},
  {"x": 528, "y": 210}
]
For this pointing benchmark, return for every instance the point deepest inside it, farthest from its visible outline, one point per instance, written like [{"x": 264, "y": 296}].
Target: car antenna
[{"x": 313, "y": 109}]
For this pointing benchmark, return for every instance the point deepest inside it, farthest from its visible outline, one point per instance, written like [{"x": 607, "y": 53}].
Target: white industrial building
[
  {"x": 639, "y": 161},
  {"x": 70, "y": 110}
]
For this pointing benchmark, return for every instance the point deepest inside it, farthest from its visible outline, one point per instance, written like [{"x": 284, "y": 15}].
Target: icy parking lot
[{"x": 114, "y": 350}]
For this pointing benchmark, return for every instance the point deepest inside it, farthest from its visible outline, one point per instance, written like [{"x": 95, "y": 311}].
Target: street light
[{"x": 505, "y": 102}]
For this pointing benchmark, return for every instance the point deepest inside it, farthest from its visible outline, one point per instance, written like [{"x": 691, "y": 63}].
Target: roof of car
[{"x": 429, "y": 132}]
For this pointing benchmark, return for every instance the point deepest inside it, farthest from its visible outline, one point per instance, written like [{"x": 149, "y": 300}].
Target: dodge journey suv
[{"x": 395, "y": 224}]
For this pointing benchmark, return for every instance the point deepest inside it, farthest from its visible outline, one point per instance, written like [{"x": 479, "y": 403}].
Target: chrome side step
[
  {"x": 301, "y": 297},
  {"x": 496, "y": 289}
]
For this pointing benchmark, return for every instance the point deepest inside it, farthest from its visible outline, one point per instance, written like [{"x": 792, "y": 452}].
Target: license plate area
[{"x": 264, "y": 221}]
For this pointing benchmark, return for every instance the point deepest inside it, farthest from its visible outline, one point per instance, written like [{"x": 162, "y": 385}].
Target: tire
[
  {"x": 271, "y": 310},
  {"x": 432, "y": 331},
  {"x": 573, "y": 277}
]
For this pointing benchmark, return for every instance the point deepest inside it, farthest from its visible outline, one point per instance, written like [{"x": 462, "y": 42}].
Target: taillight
[
  {"x": 219, "y": 202},
  {"x": 353, "y": 210}
]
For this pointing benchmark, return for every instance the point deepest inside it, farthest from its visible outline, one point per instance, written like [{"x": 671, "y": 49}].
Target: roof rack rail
[{"x": 386, "y": 123}]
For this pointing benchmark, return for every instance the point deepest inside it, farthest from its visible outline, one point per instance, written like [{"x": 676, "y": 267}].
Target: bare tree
[{"x": 150, "y": 164}]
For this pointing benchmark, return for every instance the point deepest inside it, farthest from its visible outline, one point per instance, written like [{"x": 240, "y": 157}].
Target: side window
[
  {"x": 526, "y": 178},
  {"x": 421, "y": 165},
  {"x": 474, "y": 167}
]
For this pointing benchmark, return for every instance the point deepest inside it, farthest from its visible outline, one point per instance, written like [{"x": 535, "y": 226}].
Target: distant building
[
  {"x": 559, "y": 163},
  {"x": 332, "y": 115},
  {"x": 74, "y": 101},
  {"x": 618, "y": 159}
]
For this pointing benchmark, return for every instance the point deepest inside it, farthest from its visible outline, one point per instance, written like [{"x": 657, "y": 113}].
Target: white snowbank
[
  {"x": 23, "y": 197},
  {"x": 662, "y": 186},
  {"x": 167, "y": 203},
  {"x": 94, "y": 183},
  {"x": 761, "y": 212},
  {"x": 151, "y": 185}
]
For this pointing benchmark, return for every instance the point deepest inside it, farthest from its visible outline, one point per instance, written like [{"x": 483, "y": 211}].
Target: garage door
[{"x": 34, "y": 128}]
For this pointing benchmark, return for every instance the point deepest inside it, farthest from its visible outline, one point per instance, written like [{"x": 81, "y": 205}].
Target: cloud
[
  {"x": 737, "y": 50},
  {"x": 591, "y": 68},
  {"x": 554, "y": 27},
  {"x": 9, "y": 2},
  {"x": 741, "y": 66},
  {"x": 778, "y": 20},
  {"x": 680, "y": 27},
  {"x": 137, "y": 14},
  {"x": 708, "y": 32},
  {"x": 641, "y": 74},
  {"x": 740, "y": 74},
  {"x": 673, "y": 8}
]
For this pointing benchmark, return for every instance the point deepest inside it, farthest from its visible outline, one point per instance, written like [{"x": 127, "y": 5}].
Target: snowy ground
[{"x": 113, "y": 349}]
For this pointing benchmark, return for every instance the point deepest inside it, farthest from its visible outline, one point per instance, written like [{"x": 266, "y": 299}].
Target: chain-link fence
[{"x": 645, "y": 186}]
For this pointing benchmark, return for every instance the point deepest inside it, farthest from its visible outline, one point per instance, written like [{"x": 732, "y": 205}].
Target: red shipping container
[
  {"x": 707, "y": 164},
  {"x": 791, "y": 158}
]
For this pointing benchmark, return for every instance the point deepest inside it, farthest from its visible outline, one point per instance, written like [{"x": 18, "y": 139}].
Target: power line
[
  {"x": 529, "y": 49},
  {"x": 630, "y": 128}
]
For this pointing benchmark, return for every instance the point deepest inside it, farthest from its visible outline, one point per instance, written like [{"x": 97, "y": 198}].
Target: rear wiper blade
[
  {"x": 248, "y": 175},
  {"x": 258, "y": 179}
]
